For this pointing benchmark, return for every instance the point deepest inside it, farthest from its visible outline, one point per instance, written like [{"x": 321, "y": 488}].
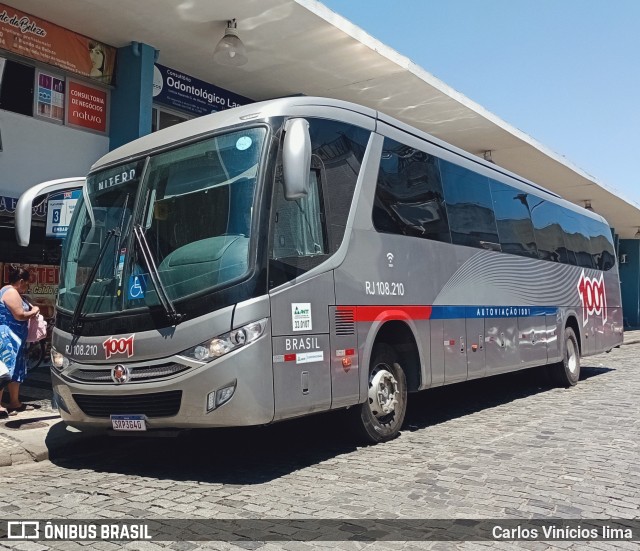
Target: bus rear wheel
[
  {"x": 380, "y": 418},
  {"x": 567, "y": 372}
]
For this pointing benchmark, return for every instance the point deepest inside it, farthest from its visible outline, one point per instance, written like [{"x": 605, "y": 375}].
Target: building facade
[{"x": 66, "y": 99}]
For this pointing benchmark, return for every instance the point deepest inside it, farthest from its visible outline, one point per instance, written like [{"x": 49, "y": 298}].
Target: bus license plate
[{"x": 128, "y": 422}]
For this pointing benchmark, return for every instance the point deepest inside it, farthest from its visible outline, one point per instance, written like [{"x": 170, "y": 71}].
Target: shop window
[
  {"x": 16, "y": 88},
  {"x": 162, "y": 118}
]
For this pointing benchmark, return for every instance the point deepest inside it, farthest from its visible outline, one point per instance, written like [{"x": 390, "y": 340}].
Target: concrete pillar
[
  {"x": 131, "y": 100},
  {"x": 630, "y": 281}
]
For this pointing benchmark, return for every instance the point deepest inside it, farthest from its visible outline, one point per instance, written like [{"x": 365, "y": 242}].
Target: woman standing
[{"x": 15, "y": 313}]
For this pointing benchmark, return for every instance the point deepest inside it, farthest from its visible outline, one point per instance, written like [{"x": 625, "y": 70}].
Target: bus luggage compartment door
[
  {"x": 476, "y": 364},
  {"x": 345, "y": 372},
  {"x": 532, "y": 335},
  {"x": 455, "y": 350}
]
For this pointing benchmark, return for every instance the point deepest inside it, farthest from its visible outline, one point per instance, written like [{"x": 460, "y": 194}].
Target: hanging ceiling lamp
[{"x": 230, "y": 50}]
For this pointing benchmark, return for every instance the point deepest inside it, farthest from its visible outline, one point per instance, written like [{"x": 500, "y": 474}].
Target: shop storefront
[
  {"x": 54, "y": 101},
  {"x": 55, "y": 88},
  {"x": 178, "y": 97}
]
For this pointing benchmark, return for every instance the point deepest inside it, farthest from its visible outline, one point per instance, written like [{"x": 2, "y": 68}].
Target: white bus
[{"x": 306, "y": 254}]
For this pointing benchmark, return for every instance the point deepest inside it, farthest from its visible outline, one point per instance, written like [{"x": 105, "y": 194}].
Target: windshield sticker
[
  {"x": 123, "y": 253},
  {"x": 243, "y": 143},
  {"x": 301, "y": 316},
  {"x": 137, "y": 287},
  {"x": 113, "y": 347}
]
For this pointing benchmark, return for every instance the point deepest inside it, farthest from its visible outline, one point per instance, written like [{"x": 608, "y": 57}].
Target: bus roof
[{"x": 289, "y": 106}]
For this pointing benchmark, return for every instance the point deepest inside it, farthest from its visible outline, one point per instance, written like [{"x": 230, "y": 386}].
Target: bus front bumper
[{"x": 234, "y": 390}]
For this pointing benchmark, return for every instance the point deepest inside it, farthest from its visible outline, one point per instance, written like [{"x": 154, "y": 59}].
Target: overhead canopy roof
[{"x": 302, "y": 47}]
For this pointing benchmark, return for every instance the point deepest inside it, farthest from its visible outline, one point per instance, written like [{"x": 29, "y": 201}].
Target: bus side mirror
[
  {"x": 296, "y": 159},
  {"x": 24, "y": 208}
]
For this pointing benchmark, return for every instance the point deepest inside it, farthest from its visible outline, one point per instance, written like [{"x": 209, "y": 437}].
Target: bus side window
[
  {"x": 298, "y": 240},
  {"x": 601, "y": 245},
  {"x": 469, "y": 207},
  {"x": 306, "y": 231},
  {"x": 549, "y": 233},
  {"x": 409, "y": 198},
  {"x": 298, "y": 229},
  {"x": 515, "y": 228}
]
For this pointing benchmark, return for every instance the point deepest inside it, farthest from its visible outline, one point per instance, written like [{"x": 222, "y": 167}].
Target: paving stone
[{"x": 505, "y": 447}]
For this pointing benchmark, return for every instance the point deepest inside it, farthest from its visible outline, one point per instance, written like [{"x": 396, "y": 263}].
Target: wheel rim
[
  {"x": 572, "y": 357},
  {"x": 383, "y": 393}
]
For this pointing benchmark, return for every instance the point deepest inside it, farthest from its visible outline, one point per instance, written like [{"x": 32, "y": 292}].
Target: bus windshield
[{"x": 192, "y": 207}]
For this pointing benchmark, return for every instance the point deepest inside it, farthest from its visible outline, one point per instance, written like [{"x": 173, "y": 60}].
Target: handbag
[{"x": 37, "y": 328}]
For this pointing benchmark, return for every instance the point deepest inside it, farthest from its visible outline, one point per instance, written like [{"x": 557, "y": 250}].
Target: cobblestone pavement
[{"x": 504, "y": 447}]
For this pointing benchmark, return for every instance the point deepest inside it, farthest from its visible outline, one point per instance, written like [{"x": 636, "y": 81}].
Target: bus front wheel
[
  {"x": 567, "y": 372},
  {"x": 380, "y": 417}
]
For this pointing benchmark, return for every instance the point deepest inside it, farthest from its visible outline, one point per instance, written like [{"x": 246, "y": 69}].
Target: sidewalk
[
  {"x": 34, "y": 435},
  {"x": 40, "y": 434}
]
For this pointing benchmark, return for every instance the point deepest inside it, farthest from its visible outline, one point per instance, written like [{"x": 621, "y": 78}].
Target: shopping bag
[{"x": 37, "y": 328}]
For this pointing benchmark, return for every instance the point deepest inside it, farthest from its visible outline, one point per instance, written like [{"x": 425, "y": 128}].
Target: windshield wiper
[
  {"x": 161, "y": 291},
  {"x": 75, "y": 320}
]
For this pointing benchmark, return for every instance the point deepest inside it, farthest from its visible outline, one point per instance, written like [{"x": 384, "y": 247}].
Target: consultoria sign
[{"x": 35, "y": 38}]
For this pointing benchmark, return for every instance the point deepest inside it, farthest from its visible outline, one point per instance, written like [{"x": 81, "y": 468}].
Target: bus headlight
[
  {"x": 59, "y": 361},
  {"x": 223, "y": 344}
]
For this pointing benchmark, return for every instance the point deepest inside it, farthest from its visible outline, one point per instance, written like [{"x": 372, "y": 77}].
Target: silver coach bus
[{"x": 305, "y": 254}]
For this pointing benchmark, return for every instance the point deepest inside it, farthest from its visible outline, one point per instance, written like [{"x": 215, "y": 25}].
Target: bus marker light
[
  {"x": 474, "y": 347},
  {"x": 346, "y": 363},
  {"x": 211, "y": 401},
  {"x": 223, "y": 395}
]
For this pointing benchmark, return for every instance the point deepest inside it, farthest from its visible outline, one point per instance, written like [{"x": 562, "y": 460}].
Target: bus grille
[
  {"x": 142, "y": 373},
  {"x": 345, "y": 324},
  {"x": 156, "y": 404}
]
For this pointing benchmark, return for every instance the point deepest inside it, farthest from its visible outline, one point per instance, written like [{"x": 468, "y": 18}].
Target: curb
[{"x": 20, "y": 444}]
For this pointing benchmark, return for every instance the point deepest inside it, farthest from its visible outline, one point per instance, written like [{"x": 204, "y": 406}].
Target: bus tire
[
  {"x": 381, "y": 416},
  {"x": 566, "y": 373}
]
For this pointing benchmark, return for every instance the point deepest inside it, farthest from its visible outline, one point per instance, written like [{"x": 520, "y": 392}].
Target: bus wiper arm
[
  {"x": 161, "y": 290},
  {"x": 75, "y": 320}
]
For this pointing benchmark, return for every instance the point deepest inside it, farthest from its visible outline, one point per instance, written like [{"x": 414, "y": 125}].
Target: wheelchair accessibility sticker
[{"x": 137, "y": 287}]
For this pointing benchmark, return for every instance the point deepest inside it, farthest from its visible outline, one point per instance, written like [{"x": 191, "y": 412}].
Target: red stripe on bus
[
  {"x": 289, "y": 357},
  {"x": 385, "y": 313}
]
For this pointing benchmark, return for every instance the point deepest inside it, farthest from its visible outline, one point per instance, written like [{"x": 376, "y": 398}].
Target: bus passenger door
[
  {"x": 300, "y": 309},
  {"x": 301, "y": 353}
]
